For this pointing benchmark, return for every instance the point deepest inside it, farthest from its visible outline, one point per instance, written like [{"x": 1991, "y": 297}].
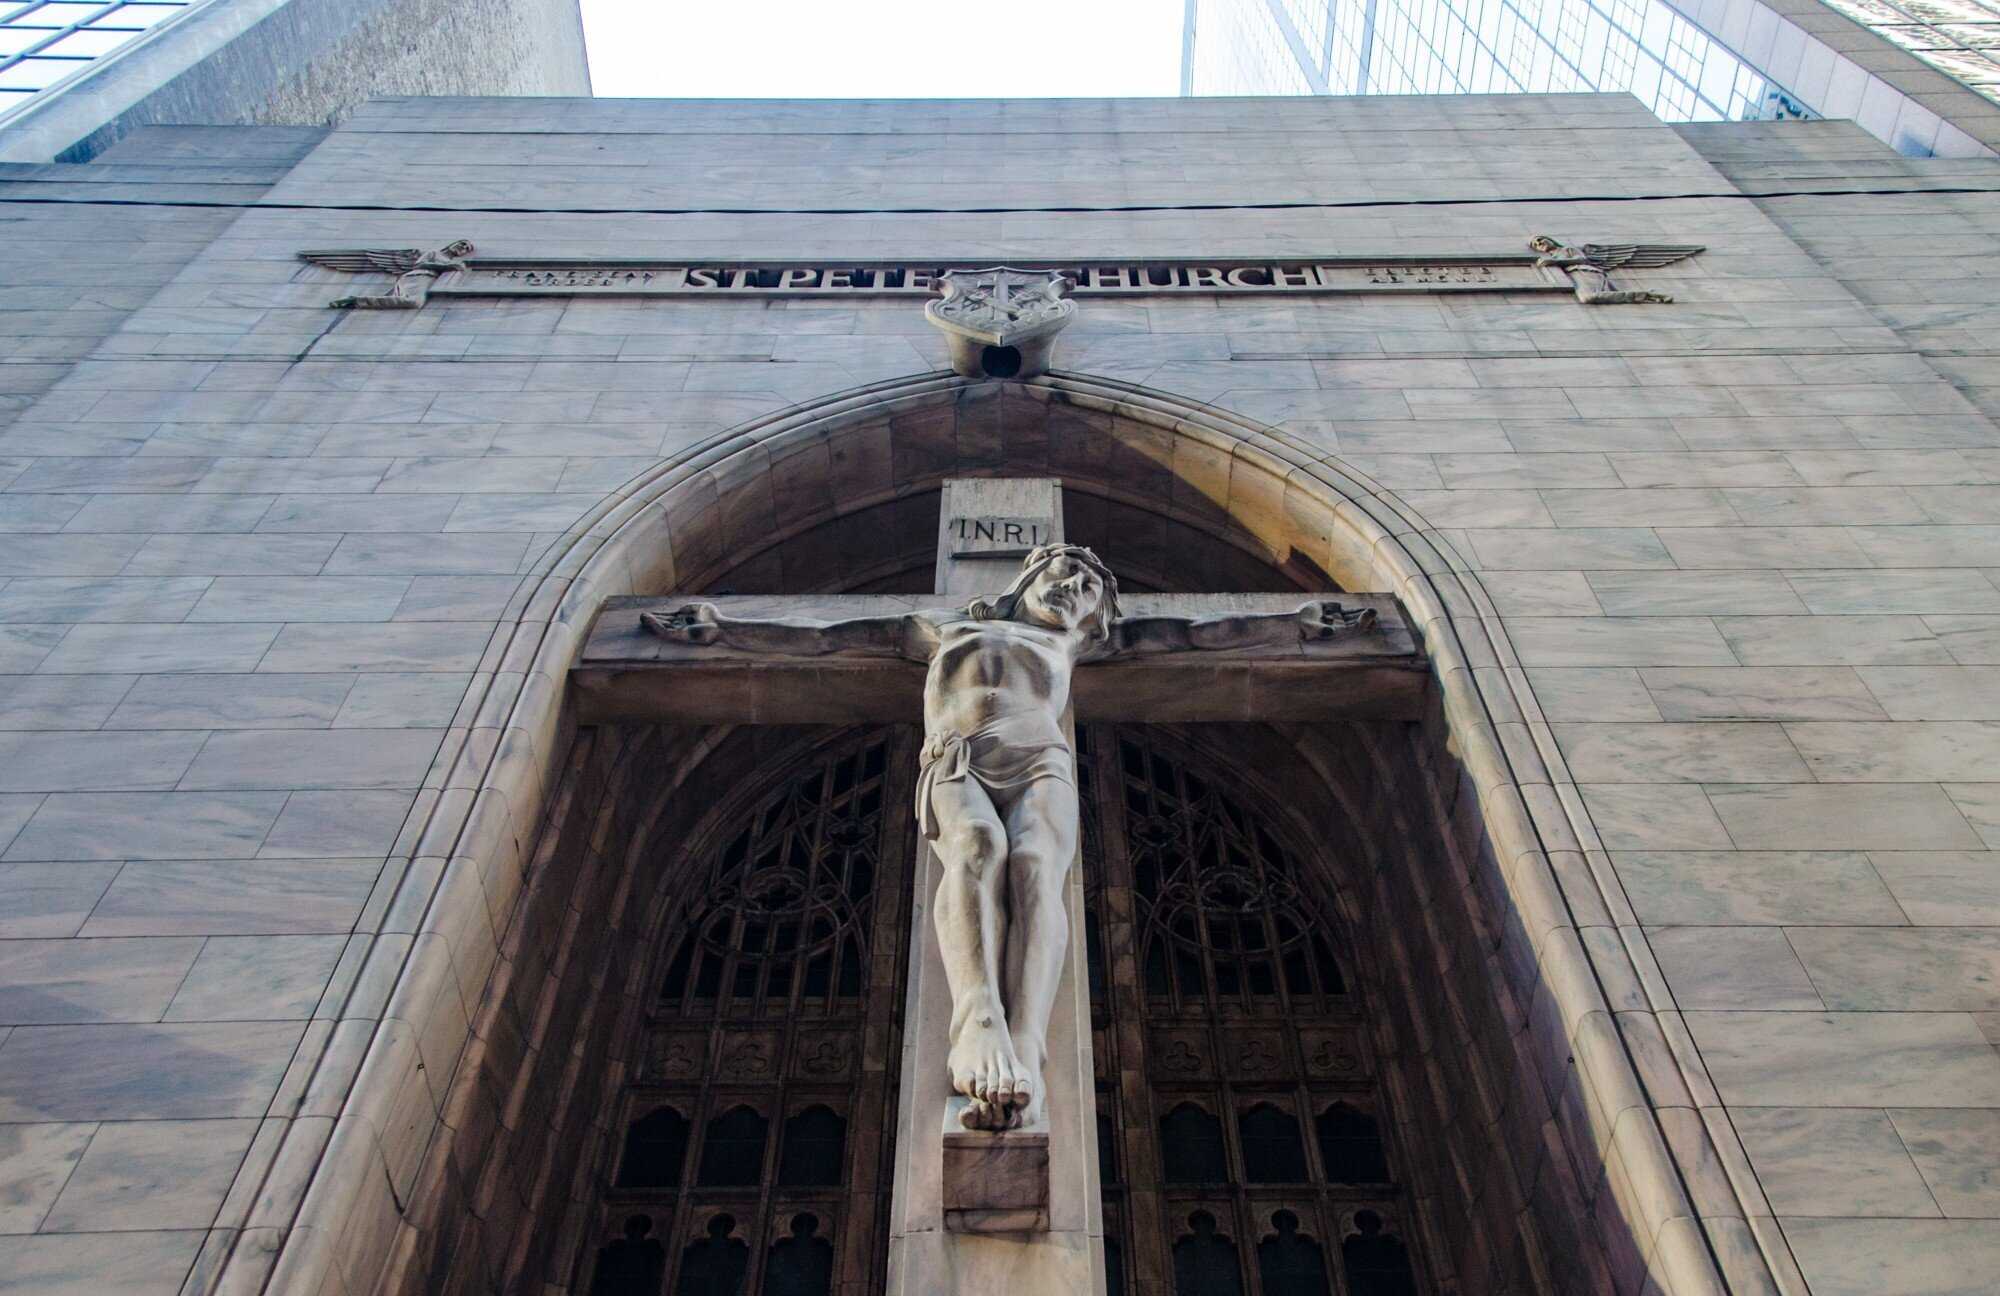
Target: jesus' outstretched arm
[
  {"x": 1133, "y": 636},
  {"x": 905, "y": 634}
]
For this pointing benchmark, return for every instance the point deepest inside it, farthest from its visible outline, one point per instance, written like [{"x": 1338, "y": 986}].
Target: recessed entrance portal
[{"x": 1423, "y": 852}]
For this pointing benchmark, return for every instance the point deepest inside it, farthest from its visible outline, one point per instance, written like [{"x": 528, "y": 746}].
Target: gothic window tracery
[
  {"x": 801, "y": 1264},
  {"x": 732, "y": 1149},
  {"x": 815, "y": 1149},
  {"x": 1272, "y": 1151},
  {"x": 1230, "y": 1046},
  {"x": 1288, "y": 1262},
  {"x": 781, "y": 924},
  {"x": 655, "y": 1150},
  {"x": 1377, "y": 1262},
  {"x": 1243, "y": 1140},
  {"x": 1350, "y": 1146},
  {"x": 633, "y": 1264},
  {"x": 756, "y": 1137}
]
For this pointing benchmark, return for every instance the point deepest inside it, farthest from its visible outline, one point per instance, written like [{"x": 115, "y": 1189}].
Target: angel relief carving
[
  {"x": 1589, "y": 267},
  {"x": 415, "y": 272}
]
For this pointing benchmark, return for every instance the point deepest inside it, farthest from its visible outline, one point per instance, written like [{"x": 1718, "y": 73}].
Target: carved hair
[{"x": 1004, "y": 607}]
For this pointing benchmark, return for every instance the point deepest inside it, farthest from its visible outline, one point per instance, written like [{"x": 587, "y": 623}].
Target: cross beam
[{"x": 629, "y": 675}]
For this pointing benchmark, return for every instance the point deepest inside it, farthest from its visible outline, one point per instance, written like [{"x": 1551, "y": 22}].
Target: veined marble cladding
[{"x": 254, "y": 555}]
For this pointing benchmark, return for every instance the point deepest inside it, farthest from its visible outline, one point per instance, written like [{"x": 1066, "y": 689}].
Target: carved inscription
[
  {"x": 495, "y": 277},
  {"x": 452, "y": 271},
  {"x": 997, "y": 537},
  {"x": 578, "y": 278},
  {"x": 1432, "y": 274}
]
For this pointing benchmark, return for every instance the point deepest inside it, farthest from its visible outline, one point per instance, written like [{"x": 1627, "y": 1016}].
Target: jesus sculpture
[{"x": 996, "y": 796}]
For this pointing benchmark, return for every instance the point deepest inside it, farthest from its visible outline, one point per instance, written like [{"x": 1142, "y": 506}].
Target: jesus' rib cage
[{"x": 1243, "y": 1141}]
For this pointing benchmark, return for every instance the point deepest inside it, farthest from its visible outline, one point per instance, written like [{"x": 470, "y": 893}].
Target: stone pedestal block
[{"x": 994, "y": 1181}]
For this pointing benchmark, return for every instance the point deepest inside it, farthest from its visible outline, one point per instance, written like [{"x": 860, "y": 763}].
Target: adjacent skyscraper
[
  {"x": 75, "y": 75},
  {"x": 1721, "y": 60}
]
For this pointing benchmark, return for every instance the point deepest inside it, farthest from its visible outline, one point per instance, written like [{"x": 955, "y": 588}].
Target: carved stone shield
[{"x": 1001, "y": 321}]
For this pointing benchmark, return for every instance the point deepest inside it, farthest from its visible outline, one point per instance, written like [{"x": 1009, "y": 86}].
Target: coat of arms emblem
[{"x": 1001, "y": 322}]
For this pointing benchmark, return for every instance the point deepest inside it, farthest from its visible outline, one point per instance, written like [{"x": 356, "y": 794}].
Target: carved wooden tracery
[
  {"x": 757, "y": 1155},
  {"x": 1243, "y": 1139}
]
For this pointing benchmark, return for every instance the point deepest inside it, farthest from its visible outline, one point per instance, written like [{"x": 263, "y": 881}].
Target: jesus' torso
[{"x": 985, "y": 673}]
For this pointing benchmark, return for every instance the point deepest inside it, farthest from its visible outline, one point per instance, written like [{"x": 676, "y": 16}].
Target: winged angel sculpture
[
  {"x": 415, "y": 272},
  {"x": 1589, "y": 267}
]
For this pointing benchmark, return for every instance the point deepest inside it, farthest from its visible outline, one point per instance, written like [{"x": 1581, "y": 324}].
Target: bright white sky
[{"x": 883, "y": 49}]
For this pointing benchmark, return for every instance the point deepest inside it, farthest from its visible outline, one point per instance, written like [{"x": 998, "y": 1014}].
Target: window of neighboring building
[{"x": 44, "y": 43}]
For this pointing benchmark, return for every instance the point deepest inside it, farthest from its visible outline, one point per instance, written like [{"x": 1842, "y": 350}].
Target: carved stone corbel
[{"x": 1001, "y": 322}]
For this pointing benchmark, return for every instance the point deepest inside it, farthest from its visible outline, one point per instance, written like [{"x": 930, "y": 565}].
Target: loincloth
[{"x": 1002, "y": 757}]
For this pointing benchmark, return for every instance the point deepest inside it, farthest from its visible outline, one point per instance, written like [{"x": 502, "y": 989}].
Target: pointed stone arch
[{"x": 1593, "y": 1077}]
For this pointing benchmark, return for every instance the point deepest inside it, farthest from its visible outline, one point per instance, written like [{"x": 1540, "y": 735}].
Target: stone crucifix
[
  {"x": 996, "y": 794},
  {"x": 996, "y": 1182}
]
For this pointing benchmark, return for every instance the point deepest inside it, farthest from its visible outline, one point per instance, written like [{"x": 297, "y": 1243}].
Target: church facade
[{"x": 1609, "y": 904}]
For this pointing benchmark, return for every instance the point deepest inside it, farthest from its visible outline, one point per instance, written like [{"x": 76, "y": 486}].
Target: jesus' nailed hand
[{"x": 996, "y": 796}]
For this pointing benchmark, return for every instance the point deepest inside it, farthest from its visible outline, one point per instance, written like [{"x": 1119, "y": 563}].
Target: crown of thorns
[{"x": 1004, "y": 607}]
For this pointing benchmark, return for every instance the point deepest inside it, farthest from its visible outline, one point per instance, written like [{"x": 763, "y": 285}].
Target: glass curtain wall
[
  {"x": 44, "y": 43},
  {"x": 1348, "y": 47},
  {"x": 1960, "y": 38}
]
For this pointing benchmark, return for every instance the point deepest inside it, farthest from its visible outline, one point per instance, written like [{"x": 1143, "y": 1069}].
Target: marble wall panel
[
  {"x": 1846, "y": 1059},
  {"x": 1956, "y": 1152},
  {"x": 1853, "y": 1257},
  {"x": 157, "y": 1174},
  {"x": 1764, "y": 889},
  {"x": 1733, "y": 967},
  {"x": 1832, "y": 1161}
]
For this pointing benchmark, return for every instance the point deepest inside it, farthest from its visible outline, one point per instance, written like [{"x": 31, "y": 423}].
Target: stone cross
[{"x": 1012, "y": 1203}]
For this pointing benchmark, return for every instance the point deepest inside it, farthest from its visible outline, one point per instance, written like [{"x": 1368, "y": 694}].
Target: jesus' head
[{"x": 1061, "y": 587}]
